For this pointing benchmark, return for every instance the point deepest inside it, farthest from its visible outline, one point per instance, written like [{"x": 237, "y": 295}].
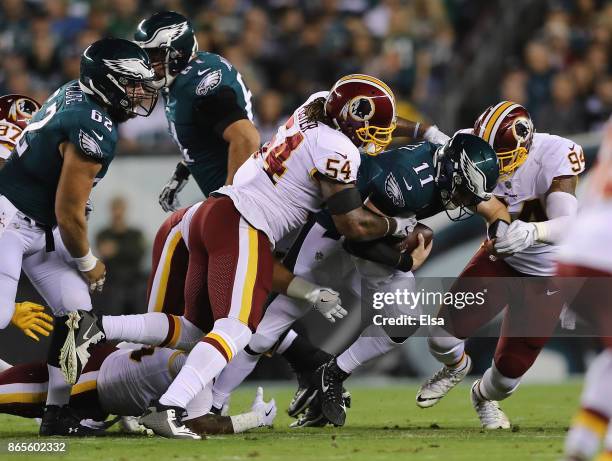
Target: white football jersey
[
  {"x": 550, "y": 156},
  {"x": 9, "y": 133},
  {"x": 129, "y": 380},
  {"x": 275, "y": 189}
]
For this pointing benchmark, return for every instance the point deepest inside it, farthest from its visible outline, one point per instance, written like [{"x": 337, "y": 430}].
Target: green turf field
[{"x": 384, "y": 424}]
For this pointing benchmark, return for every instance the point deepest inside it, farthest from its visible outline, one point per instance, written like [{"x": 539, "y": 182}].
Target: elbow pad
[{"x": 344, "y": 201}]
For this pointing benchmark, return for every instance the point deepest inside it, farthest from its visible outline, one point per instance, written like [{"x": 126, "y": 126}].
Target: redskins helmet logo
[
  {"x": 361, "y": 108},
  {"x": 521, "y": 129}
]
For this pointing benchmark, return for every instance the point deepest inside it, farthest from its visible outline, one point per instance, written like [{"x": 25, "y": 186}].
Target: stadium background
[{"x": 446, "y": 60}]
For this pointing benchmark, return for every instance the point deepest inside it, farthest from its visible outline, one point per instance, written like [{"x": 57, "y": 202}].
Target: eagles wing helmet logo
[
  {"x": 476, "y": 180},
  {"x": 89, "y": 145},
  {"x": 129, "y": 66},
  {"x": 165, "y": 35},
  {"x": 210, "y": 81},
  {"x": 393, "y": 190}
]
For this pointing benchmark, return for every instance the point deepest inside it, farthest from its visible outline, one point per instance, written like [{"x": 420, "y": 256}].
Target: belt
[{"x": 49, "y": 240}]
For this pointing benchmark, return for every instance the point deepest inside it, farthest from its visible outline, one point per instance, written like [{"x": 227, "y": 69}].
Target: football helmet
[
  {"x": 507, "y": 126},
  {"x": 16, "y": 111},
  {"x": 363, "y": 108},
  {"x": 466, "y": 173},
  {"x": 118, "y": 74},
  {"x": 169, "y": 39}
]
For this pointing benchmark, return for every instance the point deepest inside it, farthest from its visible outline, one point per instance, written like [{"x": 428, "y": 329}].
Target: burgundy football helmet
[
  {"x": 16, "y": 111},
  {"x": 507, "y": 126},
  {"x": 363, "y": 108}
]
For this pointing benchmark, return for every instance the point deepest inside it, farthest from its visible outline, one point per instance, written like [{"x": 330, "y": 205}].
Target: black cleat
[
  {"x": 304, "y": 395},
  {"x": 84, "y": 330},
  {"x": 329, "y": 379},
  {"x": 58, "y": 420},
  {"x": 166, "y": 421}
]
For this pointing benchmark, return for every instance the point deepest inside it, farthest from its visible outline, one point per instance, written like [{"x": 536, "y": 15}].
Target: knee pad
[
  {"x": 495, "y": 386},
  {"x": 260, "y": 343},
  {"x": 231, "y": 333}
]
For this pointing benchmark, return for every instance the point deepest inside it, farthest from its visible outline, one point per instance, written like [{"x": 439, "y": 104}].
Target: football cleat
[
  {"x": 302, "y": 398},
  {"x": 436, "y": 387},
  {"x": 329, "y": 378},
  {"x": 131, "y": 425},
  {"x": 84, "y": 330},
  {"x": 58, "y": 420},
  {"x": 313, "y": 416},
  {"x": 491, "y": 416},
  {"x": 166, "y": 421}
]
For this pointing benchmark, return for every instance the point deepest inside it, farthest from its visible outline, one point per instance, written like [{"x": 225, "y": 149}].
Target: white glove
[
  {"x": 519, "y": 236},
  {"x": 265, "y": 411},
  {"x": 435, "y": 136},
  {"x": 324, "y": 300},
  {"x": 404, "y": 226},
  {"x": 168, "y": 198}
]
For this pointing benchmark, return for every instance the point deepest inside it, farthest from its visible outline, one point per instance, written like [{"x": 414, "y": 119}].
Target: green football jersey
[
  {"x": 203, "y": 148},
  {"x": 31, "y": 175},
  {"x": 398, "y": 181}
]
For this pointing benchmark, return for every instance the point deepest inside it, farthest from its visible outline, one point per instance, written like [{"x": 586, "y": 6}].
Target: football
[{"x": 411, "y": 241}]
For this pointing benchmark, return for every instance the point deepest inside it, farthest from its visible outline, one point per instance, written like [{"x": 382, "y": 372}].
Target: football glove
[
  {"x": 404, "y": 226},
  {"x": 519, "y": 236},
  {"x": 324, "y": 300},
  {"x": 31, "y": 319},
  {"x": 265, "y": 411},
  {"x": 168, "y": 198},
  {"x": 435, "y": 136}
]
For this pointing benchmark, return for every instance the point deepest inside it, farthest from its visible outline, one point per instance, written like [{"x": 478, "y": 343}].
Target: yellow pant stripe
[
  {"x": 222, "y": 343},
  {"x": 176, "y": 334},
  {"x": 251, "y": 275},
  {"x": 163, "y": 281},
  {"x": 605, "y": 456},
  {"x": 493, "y": 119},
  {"x": 25, "y": 397},
  {"x": 591, "y": 421},
  {"x": 79, "y": 388}
]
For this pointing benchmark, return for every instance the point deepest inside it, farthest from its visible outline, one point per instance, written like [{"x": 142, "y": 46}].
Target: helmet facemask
[
  {"x": 167, "y": 60},
  {"x": 510, "y": 161},
  {"x": 375, "y": 139}
]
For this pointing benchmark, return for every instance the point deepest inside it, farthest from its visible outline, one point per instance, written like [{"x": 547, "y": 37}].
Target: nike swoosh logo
[
  {"x": 202, "y": 72},
  {"x": 406, "y": 183},
  {"x": 327, "y": 300},
  {"x": 342, "y": 155},
  {"x": 421, "y": 399},
  {"x": 100, "y": 137},
  {"x": 268, "y": 412},
  {"x": 323, "y": 386},
  {"x": 550, "y": 293},
  {"x": 86, "y": 335}
]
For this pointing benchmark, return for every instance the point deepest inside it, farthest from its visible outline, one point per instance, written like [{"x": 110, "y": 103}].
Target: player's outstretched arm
[
  {"x": 419, "y": 130},
  {"x": 243, "y": 140},
  {"x": 353, "y": 220},
  {"x": 75, "y": 184},
  {"x": 262, "y": 414}
]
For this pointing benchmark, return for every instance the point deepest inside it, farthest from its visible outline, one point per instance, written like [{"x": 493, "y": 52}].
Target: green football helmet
[
  {"x": 170, "y": 41},
  {"x": 119, "y": 75},
  {"x": 466, "y": 173}
]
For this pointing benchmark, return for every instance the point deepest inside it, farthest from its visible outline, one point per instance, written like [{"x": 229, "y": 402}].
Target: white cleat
[
  {"x": 166, "y": 422},
  {"x": 489, "y": 413},
  {"x": 436, "y": 387}
]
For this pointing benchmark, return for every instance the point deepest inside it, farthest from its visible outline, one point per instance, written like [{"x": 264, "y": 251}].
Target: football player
[
  {"x": 313, "y": 159},
  {"x": 585, "y": 252},
  {"x": 422, "y": 180},
  {"x": 46, "y": 182},
  {"x": 538, "y": 176},
  {"x": 207, "y": 105},
  {"x": 122, "y": 382}
]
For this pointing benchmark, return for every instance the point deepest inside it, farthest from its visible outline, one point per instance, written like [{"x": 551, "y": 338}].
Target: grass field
[{"x": 384, "y": 424}]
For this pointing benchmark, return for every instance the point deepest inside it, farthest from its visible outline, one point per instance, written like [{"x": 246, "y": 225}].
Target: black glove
[{"x": 168, "y": 199}]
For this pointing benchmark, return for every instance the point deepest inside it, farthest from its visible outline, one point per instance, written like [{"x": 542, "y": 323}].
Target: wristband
[
  {"x": 415, "y": 134},
  {"x": 87, "y": 262},
  {"x": 405, "y": 262},
  {"x": 300, "y": 288},
  {"x": 245, "y": 421},
  {"x": 181, "y": 173}
]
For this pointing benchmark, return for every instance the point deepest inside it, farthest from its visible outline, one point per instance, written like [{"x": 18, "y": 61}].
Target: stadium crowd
[{"x": 286, "y": 49}]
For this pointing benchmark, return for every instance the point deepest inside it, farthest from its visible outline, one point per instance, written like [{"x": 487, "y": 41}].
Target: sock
[
  {"x": 153, "y": 329},
  {"x": 286, "y": 342},
  {"x": 303, "y": 356},
  {"x": 363, "y": 349},
  {"x": 446, "y": 349},
  {"x": 206, "y": 360},
  {"x": 58, "y": 391},
  {"x": 495, "y": 386},
  {"x": 585, "y": 434},
  {"x": 4, "y": 365},
  {"x": 232, "y": 376}
]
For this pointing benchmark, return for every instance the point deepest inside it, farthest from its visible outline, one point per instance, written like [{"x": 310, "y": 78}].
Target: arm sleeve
[
  {"x": 380, "y": 252},
  {"x": 218, "y": 110},
  {"x": 561, "y": 208}
]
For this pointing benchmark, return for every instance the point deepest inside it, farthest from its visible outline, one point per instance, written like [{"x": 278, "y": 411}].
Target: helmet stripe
[
  {"x": 495, "y": 116},
  {"x": 500, "y": 120},
  {"x": 490, "y": 111},
  {"x": 378, "y": 83}
]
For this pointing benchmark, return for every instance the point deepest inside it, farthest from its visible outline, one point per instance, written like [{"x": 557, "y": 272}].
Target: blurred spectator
[
  {"x": 563, "y": 114},
  {"x": 537, "y": 57},
  {"x": 122, "y": 249},
  {"x": 270, "y": 114}
]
